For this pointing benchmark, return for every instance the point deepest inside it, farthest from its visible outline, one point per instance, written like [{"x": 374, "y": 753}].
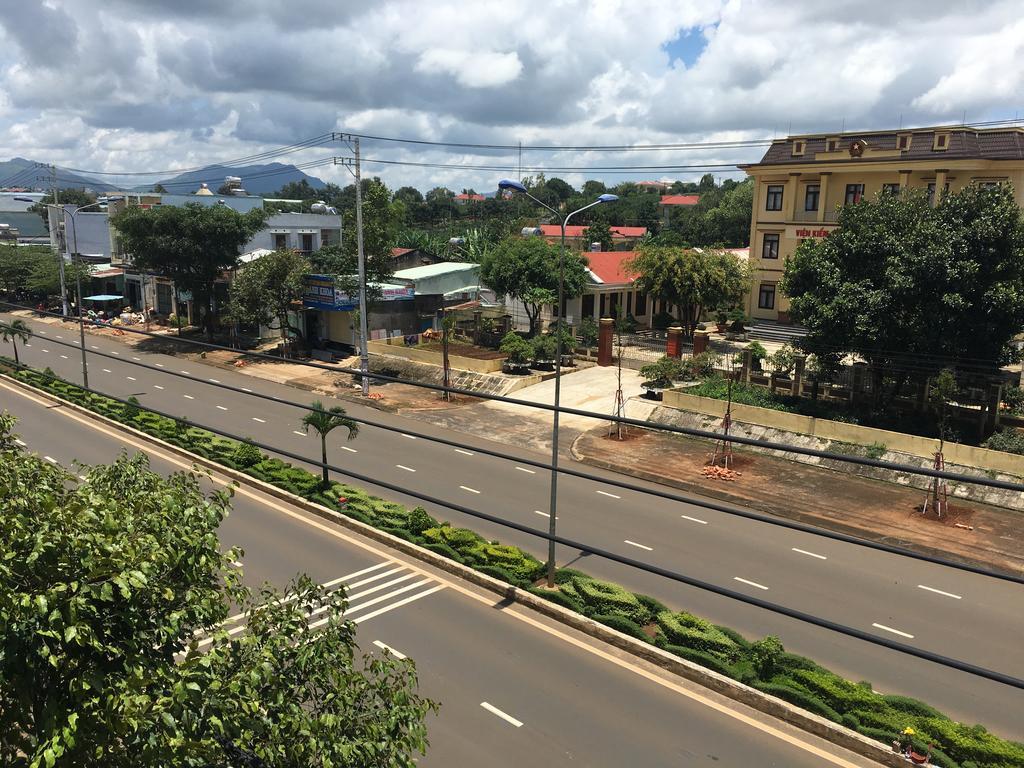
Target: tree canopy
[
  {"x": 36, "y": 271},
  {"x": 526, "y": 268},
  {"x": 900, "y": 278},
  {"x": 192, "y": 244},
  {"x": 720, "y": 218},
  {"x": 107, "y": 588},
  {"x": 690, "y": 280},
  {"x": 265, "y": 290}
]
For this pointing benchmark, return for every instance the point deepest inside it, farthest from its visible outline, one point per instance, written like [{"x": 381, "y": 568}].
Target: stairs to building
[{"x": 770, "y": 330}]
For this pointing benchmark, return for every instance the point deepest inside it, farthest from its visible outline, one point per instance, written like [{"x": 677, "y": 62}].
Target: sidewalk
[{"x": 859, "y": 506}]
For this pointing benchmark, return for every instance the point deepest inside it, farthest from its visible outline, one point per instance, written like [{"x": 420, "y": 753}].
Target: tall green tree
[
  {"x": 381, "y": 228},
  {"x": 902, "y": 280},
  {"x": 600, "y": 233},
  {"x": 266, "y": 291},
  {"x": 526, "y": 268},
  {"x": 691, "y": 280},
  {"x": 113, "y": 596},
  {"x": 15, "y": 331},
  {"x": 191, "y": 244},
  {"x": 323, "y": 421}
]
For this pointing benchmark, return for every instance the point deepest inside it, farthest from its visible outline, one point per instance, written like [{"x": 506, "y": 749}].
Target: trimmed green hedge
[{"x": 796, "y": 678}]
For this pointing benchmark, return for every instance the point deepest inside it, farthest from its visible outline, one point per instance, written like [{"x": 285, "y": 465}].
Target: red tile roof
[
  {"x": 474, "y": 198},
  {"x": 609, "y": 266},
  {"x": 396, "y": 252},
  {"x": 573, "y": 231},
  {"x": 680, "y": 199}
]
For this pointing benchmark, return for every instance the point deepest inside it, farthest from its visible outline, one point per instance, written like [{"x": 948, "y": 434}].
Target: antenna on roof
[
  {"x": 901, "y": 121},
  {"x": 964, "y": 120},
  {"x": 843, "y": 129}
]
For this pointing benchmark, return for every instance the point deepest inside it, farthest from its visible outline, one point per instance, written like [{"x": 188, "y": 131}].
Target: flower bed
[{"x": 762, "y": 664}]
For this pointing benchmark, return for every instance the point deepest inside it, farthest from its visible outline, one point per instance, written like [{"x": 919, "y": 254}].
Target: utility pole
[
  {"x": 65, "y": 310},
  {"x": 364, "y": 350}
]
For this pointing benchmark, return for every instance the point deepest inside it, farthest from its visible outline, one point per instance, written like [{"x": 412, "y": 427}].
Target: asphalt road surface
[
  {"x": 515, "y": 689},
  {"x": 965, "y": 616}
]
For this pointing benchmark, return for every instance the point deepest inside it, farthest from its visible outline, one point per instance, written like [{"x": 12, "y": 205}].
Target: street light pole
[{"x": 553, "y": 503}]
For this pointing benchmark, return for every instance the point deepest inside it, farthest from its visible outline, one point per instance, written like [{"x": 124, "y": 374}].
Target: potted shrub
[
  {"x": 757, "y": 355},
  {"x": 518, "y": 352},
  {"x": 659, "y": 376},
  {"x": 721, "y": 319},
  {"x": 568, "y": 347},
  {"x": 699, "y": 366},
  {"x": 737, "y": 323},
  {"x": 588, "y": 333},
  {"x": 544, "y": 348}
]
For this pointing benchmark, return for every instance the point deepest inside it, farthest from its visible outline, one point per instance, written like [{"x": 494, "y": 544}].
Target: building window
[
  {"x": 588, "y": 305},
  {"x": 641, "y": 304},
  {"x": 774, "y": 200},
  {"x": 988, "y": 184},
  {"x": 307, "y": 243},
  {"x": 854, "y": 193},
  {"x": 766, "y": 296},
  {"x": 903, "y": 141},
  {"x": 328, "y": 237},
  {"x": 832, "y": 145},
  {"x": 811, "y": 197},
  {"x": 770, "y": 246},
  {"x": 280, "y": 241},
  {"x": 941, "y": 142},
  {"x": 798, "y": 148},
  {"x": 931, "y": 191},
  {"x": 890, "y": 189}
]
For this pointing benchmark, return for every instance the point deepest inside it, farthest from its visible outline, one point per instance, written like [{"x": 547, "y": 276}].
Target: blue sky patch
[{"x": 687, "y": 46}]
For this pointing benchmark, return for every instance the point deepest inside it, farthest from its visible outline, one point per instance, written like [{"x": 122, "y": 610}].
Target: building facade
[{"x": 803, "y": 181}]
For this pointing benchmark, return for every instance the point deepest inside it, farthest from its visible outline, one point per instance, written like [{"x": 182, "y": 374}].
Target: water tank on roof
[
  {"x": 531, "y": 232},
  {"x": 318, "y": 207},
  {"x": 595, "y": 246},
  {"x": 233, "y": 180}
]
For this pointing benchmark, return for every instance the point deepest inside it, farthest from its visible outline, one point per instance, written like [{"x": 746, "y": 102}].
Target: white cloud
[{"x": 487, "y": 69}]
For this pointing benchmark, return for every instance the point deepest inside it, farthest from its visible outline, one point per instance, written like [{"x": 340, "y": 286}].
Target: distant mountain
[
  {"x": 19, "y": 172},
  {"x": 256, "y": 179}
]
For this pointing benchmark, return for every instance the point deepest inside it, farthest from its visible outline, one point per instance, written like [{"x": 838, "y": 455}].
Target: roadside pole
[{"x": 364, "y": 349}]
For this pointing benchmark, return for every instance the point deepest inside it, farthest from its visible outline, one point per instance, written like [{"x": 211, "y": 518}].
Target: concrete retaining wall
[
  {"x": 434, "y": 358},
  {"x": 825, "y": 429}
]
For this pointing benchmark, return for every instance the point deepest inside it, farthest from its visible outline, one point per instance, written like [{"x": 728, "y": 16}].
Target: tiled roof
[
  {"x": 680, "y": 199},
  {"x": 574, "y": 231},
  {"x": 396, "y": 252},
  {"x": 609, "y": 266},
  {"x": 474, "y": 198},
  {"x": 964, "y": 143}
]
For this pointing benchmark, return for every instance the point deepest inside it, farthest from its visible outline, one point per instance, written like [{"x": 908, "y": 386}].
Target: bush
[
  {"x": 604, "y": 597},
  {"x": 702, "y": 658},
  {"x": 757, "y": 351},
  {"x": 1013, "y": 398},
  {"x": 687, "y": 630},
  {"x": 1008, "y": 440},
  {"x": 419, "y": 521},
  {"x": 799, "y": 698},
  {"x": 842, "y": 695},
  {"x": 621, "y": 624},
  {"x": 662, "y": 320},
  {"x": 765, "y": 655},
  {"x": 132, "y": 410},
  {"x": 653, "y": 605},
  {"x": 544, "y": 347},
  {"x": 699, "y": 366},
  {"x": 911, "y": 706},
  {"x": 663, "y": 372},
  {"x": 523, "y": 567},
  {"x": 557, "y": 597},
  {"x": 516, "y": 348}
]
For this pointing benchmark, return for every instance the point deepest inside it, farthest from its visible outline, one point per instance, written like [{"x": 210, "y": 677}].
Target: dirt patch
[
  {"x": 464, "y": 350},
  {"x": 955, "y": 516}
]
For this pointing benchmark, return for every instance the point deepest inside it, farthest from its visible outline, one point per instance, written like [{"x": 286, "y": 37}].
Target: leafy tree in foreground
[
  {"x": 901, "y": 280},
  {"x": 106, "y": 588},
  {"x": 192, "y": 244},
  {"x": 15, "y": 331},
  {"x": 526, "y": 268},
  {"x": 690, "y": 280},
  {"x": 324, "y": 421},
  {"x": 265, "y": 290}
]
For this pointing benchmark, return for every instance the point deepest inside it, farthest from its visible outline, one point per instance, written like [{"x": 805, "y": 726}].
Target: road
[
  {"x": 965, "y": 616},
  {"x": 515, "y": 689}
]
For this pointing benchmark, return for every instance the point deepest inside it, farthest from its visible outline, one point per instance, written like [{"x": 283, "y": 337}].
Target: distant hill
[
  {"x": 256, "y": 179},
  {"x": 19, "y": 172}
]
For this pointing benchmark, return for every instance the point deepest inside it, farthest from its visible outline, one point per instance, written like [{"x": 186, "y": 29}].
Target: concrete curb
[{"x": 762, "y": 702}]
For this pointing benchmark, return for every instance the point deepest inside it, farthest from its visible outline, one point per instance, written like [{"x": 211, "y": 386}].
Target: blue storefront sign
[{"x": 321, "y": 293}]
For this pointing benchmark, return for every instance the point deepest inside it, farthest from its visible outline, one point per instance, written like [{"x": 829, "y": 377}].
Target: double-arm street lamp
[{"x": 515, "y": 186}]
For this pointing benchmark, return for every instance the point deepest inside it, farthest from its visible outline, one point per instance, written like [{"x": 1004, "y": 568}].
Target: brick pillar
[
  {"x": 604, "y": 341},
  {"x": 857, "y": 388},
  {"x": 798, "y": 375},
  {"x": 700, "y": 341},
  {"x": 995, "y": 395},
  {"x": 674, "y": 345},
  {"x": 748, "y": 363}
]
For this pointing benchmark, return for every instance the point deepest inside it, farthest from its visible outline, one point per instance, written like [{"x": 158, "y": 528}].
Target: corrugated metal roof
[{"x": 433, "y": 270}]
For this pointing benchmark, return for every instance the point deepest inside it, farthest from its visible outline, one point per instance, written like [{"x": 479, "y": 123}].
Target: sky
[{"x": 153, "y": 85}]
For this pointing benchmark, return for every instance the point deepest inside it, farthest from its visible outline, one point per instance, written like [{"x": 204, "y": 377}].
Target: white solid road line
[
  {"x": 894, "y": 631},
  {"x": 221, "y": 407},
  {"x": 389, "y": 649},
  {"x": 610, "y": 495},
  {"x": 464, "y": 453},
  {"x": 381, "y": 599},
  {"x": 809, "y": 554},
  {"x": 189, "y": 397},
  {"x": 407, "y": 469},
  {"x": 528, "y": 471},
  {"x": 751, "y": 583},
  {"x": 641, "y": 546},
  {"x": 940, "y": 592},
  {"x": 399, "y": 604},
  {"x": 495, "y": 711},
  {"x": 467, "y": 488},
  {"x": 694, "y": 519},
  {"x": 257, "y": 418},
  {"x": 350, "y": 450}
]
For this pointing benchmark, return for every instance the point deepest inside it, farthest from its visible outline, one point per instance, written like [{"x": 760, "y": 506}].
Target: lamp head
[
  {"x": 511, "y": 184},
  {"x": 607, "y": 198},
  {"x": 26, "y": 200}
]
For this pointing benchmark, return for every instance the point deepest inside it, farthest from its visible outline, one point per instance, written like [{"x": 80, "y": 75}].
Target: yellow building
[{"x": 802, "y": 181}]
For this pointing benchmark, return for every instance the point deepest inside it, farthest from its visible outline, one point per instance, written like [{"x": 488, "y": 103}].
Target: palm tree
[
  {"x": 12, "y": 332},
  {"x": 323, "y": 421}
]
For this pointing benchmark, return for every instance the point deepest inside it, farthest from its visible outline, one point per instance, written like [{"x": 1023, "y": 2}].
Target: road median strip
[{"x": 790, "y": 688}]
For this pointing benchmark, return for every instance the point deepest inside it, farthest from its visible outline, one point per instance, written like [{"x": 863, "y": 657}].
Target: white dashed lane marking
[
  {"x": 940, "y": 592},
  {"x": 407, "y": 469},
  {"x": 257, "y": 418},
  {"x": 221, "y": 407},
  {"x": 609, "y": 495},
  {"x": 527, "y": 471},
  {"x": 894, "y": 631},
  {"x": 641, "y": 546},
  {"x": 495, "y": 711},
  {"x": 350, "y": 450},
  {"x": 809, "y": 554},
  {"x": 189, "y": 397},
  {"x": 389, "y": 649},
  {"x": 751, "y": 583},
  {"x": 694, "y": 519},
  {"x": 464, "y": 453},
  {"x": 467, "y": 488},
  {"x": 157, "y": 386}
]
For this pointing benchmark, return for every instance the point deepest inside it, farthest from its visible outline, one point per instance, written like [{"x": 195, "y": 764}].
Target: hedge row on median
[{"x": 763, "y": 664}]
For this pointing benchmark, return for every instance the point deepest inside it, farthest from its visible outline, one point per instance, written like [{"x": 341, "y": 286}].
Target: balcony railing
[{"x": 831, "y": 216}]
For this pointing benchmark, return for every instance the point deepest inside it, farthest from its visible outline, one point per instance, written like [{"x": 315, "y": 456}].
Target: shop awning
[{"x": 102, "y": 297}]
